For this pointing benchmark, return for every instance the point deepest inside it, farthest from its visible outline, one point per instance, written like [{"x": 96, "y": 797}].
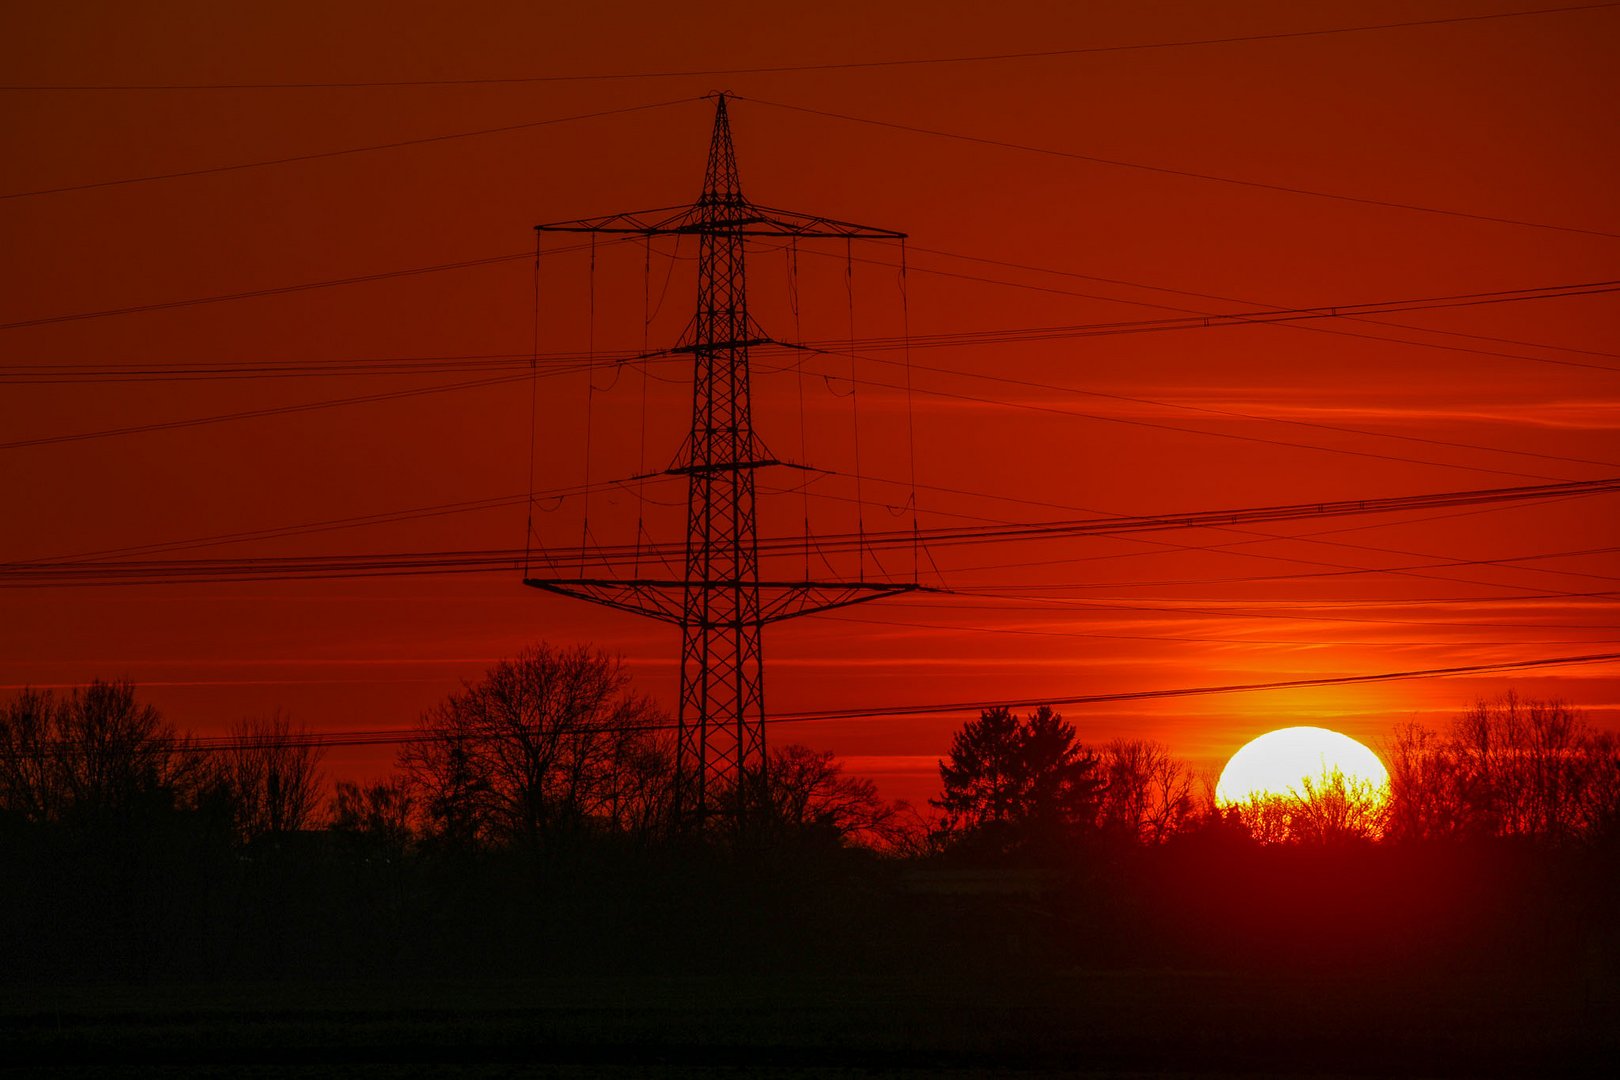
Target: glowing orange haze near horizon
[{"x": 1510, "y": 118}]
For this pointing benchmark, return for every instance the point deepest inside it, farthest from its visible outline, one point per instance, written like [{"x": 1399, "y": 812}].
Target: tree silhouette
[
  {"x": 92, "y": 757},
  {"x": 1327, "y": 808},
  {"x": 1519, "y": 762},
  {"x": 274, "y": 781},
  {"x": 1148, "y": 795},
  {"x": 809, "y": 791},
  {"x": 1010, "y": 783},
  {"x": 380, "y": 812},
  {"x": 1334, "y": 807},
  {"x": 1423, "y": 800},
  {"x": 550, "y": 743},
  {"x": 983, "y": 771},
  {"x": 1600, "y": 808},
  {"x": 1506, "y": 767}
]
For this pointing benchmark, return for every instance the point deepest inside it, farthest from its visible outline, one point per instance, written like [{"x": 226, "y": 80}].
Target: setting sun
[{"x": 1281, "y": 762}]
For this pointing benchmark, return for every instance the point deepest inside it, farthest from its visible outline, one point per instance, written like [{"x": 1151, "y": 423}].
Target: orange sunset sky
[{"x": 1088, "y": 185}]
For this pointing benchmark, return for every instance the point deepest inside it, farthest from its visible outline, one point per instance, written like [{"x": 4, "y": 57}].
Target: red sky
[{"x": 1509, "y": 118}]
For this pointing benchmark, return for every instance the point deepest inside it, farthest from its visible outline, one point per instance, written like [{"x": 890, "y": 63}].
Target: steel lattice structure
[{"x": 721, "y": 605}]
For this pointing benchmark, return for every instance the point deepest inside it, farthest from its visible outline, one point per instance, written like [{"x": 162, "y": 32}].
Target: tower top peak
[{"x": 721, "y": 186}]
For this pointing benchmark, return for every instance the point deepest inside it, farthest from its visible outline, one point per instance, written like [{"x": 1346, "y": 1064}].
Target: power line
[
  {"x": 408, "y": 514},
  {"x": 250, "y": 294},
  {"x": 1182, "y": 429},
  {"x": 1303, "y": 322},
  {"x": 1339, "y": 569},
  {"x": 1199, "y": 320},
  {"x": 1257, "y": 417},
  {"x": 254, "y": 414},
  {"x": 1558, "y": 598},
  {"x": 387, "y": 517},
  {"x": 96, "y": 372},
  {"x": 33, "y": 372},
  {"x": 1196, "y": 639},
  {"x": 1203, "y": 321},
  {"x": 1239, "y": 318},
  {"x": 344, "y": 152},
  {"x": 1291, "y": 609},
  {"x": 1188, "y": 174},
  {"x": 1042, "y": 530},
  {"x": 1333, "y": 569},
  {"x": 327, "y": 403},
  {"x": 1509, "y": 561},
  {"x": 1201, "y": 691},
  {"x": 277, "y": 290},
  {"x": 850, "y": 65},
  {"x": 1251, "y": 537},
  {"x": 467, "y": 506},
  {"x": 89, "y": 572},
  {"x": 1254, "y": 537},
  {"x": 399, "y": 736},
  {"x": 1242, "y": 300},
  {"x": 41, "y": 373}
]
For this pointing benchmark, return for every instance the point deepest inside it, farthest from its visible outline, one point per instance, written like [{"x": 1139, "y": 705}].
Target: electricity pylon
[{"x": 721, "y": 605}]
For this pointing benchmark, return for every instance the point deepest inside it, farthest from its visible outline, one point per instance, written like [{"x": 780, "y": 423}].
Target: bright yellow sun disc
[{"x": 1280, "y": 762}]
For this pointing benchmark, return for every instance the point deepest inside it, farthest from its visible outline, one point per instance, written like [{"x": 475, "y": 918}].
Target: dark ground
[
  {"x": 1160, "y": 1023},
  {"x": 167, "y": 953}
]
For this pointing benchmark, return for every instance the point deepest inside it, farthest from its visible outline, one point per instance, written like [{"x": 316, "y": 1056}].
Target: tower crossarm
[
  {"x": 774, "y": 222},
  {"x": 791, "y": 600},
  {"x": 662, "y": 598},
  {"x": 720, "y": 466},
  {"x": 744, "y": 219},
  {"x": 656, "y": 222}
]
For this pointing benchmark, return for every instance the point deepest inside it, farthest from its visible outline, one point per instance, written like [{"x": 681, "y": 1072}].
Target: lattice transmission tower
[{"x": 721, "y": 604}]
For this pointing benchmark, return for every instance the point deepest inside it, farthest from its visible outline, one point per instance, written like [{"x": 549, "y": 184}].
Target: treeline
[
  {"x": 555, "y": 746},
  {"x": 528, "y": 826},
  {"x": 1534, "y": 771},
  {"x": 1509, "y": 767},
  {"x": 547, "y": 749},
  {"x": 96, "y": 757}
]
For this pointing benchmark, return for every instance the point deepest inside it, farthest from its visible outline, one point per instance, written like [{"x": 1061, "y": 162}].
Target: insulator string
[
  {"x": 855, "y": 410},
  {"x": 534, "y": 410},
  {"x": 792, "y": 249},
  {"x": 590, "y": 398},
  {"x": 911, "y": 419},
  {"x": 641, "y": 459}
]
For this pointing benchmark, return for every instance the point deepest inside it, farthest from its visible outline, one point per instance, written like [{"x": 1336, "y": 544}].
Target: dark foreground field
[
  {"x": 174, "y": 953},
  {"x": 1160, "y": 1023}
]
